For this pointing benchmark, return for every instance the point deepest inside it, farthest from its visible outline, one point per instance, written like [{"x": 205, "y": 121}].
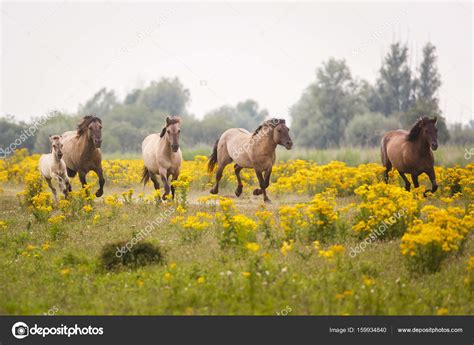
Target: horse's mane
[
  {"x": 84, "y": 124},
  {"x": 416, "y": 129},
  {"x": 170, "y": 120},
  {"x": 273, "y": 122}
]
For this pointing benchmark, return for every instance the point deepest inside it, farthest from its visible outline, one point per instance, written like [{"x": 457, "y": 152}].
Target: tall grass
[{"x": 446, "y": 155}]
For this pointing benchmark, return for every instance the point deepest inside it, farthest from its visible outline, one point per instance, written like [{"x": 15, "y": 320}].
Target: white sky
[{"x": 56, "y": 55}]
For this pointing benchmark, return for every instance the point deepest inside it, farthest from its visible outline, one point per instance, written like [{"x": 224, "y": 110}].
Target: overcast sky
[{"x": 56, "y": 55}]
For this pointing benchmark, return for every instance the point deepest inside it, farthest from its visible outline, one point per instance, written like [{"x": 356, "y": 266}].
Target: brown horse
[
  {"x": 162, "y": 155},
  {"x": 81, "y": 151},
  {"x": 250, "y": 150},
  {"x": 410, "y": 152}
]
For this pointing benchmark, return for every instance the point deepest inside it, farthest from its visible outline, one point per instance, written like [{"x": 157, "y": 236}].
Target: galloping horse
[
  {"x": 162, "y": 155},
  {"x": 410, "y": 152},
  {"x": 52, "y": 166},
  {"x": 81, "y": 150},
  {"x": 250, "y": 150}
]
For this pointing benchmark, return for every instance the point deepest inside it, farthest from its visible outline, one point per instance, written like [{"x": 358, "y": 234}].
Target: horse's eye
[{"x": 168, "y": 131}]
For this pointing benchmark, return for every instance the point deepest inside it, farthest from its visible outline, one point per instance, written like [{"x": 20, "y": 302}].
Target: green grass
[
  {"x": 70, "y": 275},
  {"x": 352, "y": 156}
]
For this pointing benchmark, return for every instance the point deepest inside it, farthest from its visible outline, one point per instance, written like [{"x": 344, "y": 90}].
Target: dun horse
[
  {"x": 162, "y": 155},
  {"x": 81, "y": 150},
  {"x": 250, "y": 150},
  {"x": 52, "y": 167},
  {"x": 410, "y": 152}
]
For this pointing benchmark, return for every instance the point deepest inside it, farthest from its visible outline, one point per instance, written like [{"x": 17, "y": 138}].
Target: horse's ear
[
  {"x": 50, "y": 138},
  {"x": 163, "y": 131},
  {"x": 435, "y": 120},
  {"x": 168, "y": 120}
]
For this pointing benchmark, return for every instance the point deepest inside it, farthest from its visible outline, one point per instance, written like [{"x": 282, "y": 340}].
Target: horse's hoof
[
  {"x": 267, "y": 201},
  {"x": 238, "y": 191},
  {"x": 99, "y": 193},
  {"x": 257, "y": 191},
  {"x": 213, "y": 191}
]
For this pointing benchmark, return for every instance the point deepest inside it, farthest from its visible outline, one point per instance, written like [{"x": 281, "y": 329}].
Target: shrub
[{"x": 141, "y": 254}]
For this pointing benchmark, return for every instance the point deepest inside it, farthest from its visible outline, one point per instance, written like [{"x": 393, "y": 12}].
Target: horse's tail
[
  {"x": 212, "y": 158},
  {"x": 383, "y": 151},
  {"x": 145, "y": 176}
]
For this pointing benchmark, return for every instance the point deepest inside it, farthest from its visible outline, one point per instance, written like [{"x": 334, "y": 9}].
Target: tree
[
  {"x": 167, "y": 95},
  {"x": 326, "y": 107},
  {"x": 426, "y": 87},
  {"x": 394, "y": 85},
  {"x": 100, "y": 104},
  {"x": 367, "y": 129}
]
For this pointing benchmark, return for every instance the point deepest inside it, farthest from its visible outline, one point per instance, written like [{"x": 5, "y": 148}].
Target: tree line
[{"x": 335, "y": 110}]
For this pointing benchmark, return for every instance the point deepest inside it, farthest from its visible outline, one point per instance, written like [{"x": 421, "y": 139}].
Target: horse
[
  {"x": 81, "y": 150},
  {"x": 411, "y": 152},
  {"x": 52, "y": 166},
  {"x": 250, "y": 150},
  {"x": 162, "y": 156}
]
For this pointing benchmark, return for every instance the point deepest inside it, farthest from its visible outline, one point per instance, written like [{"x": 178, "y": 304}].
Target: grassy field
[
  {"x": 445, "y": 155},
  {"x": 237, "y": 256}
]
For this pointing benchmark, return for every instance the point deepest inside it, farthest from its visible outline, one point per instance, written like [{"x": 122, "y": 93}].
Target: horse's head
[
  {"x": 172, "y": 131},
  {"x": 56, "y": 146},
  {"x": 281, "y": 133},
  {"x": 92, "y": 127},
  {"x": 425, "y": 128}
]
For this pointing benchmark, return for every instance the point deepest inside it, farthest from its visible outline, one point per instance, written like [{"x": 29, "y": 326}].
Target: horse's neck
[
  {"x": 421, "y": 147},
  {"x": 264, "y": 141},
  {"x": 165, "y": 147},
  {"x": 86, "y": 147}
]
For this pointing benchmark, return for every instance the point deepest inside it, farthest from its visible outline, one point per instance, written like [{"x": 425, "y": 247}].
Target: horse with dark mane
[
  {"x": 411, "y": 152},
  {"x": 250, "y": 150},
  {"x": 81, "y": 151}
]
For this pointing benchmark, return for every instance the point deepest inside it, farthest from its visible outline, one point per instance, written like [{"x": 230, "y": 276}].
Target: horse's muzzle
[
  {"x": 434, "y": 146},
  {"x": 288, "y": 145},
  {"x": 175, "y": 148},
  {"x": 97, "y": 143}
]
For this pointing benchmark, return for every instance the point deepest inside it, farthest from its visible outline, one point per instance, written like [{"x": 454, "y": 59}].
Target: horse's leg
[
  {"x": 48, "y": 181},
  {"x": 82, "y": 178},
  {"x": 237, "y": 169},
  {"x": 220, "y": 169},
  {"x": 414, "y": 178},
  {"x": 268, "y": 173},
  {"x": 175, "y": 177},
  {"x": 154, "y": 179},
  {"x": 70, "y": 173},
  {"x": 263, "y": 187},
  {"x": 100, "y": 174},
  {"x": 434, "y": 186},
  {"x": 407, "y": 183},
  {"x": 163, "y": 174},
  {"x": 388, "y": 167}
]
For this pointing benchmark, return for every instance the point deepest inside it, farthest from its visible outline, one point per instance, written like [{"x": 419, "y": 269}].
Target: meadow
[{"x": 335, "y": 241}]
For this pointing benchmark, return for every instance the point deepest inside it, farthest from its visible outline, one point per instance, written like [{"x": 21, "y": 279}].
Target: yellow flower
[
  {"x": 442, "y": 311},
  {"x": 367, "y": 281},
  {"x": 246, "y": 274},
  {"x": 3, "y": 225},
  {"x": 168, "y": 276},
  {"x": 286, "y": 247},
  {"x": 140, "y": 283},
  {"x": 87, "y": 208},
  {"x": 173, "y": 265},
  {"x": 65, "y": 271},
  {"x": 46, "y": 246},
  {"x": 56, "y": 219},
  {"x": 252, "y": 246},
  {"x": 30, "y": 247},
  {"x": 201, "y": 280}
]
